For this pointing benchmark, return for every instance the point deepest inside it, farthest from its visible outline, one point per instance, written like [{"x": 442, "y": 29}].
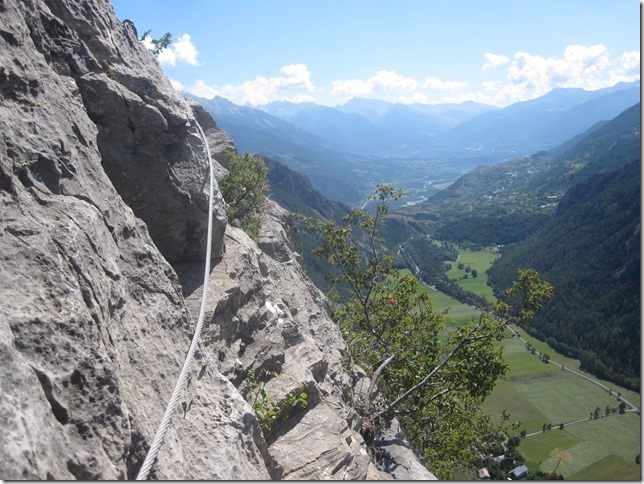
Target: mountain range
[{"x": 347, "y": 149}]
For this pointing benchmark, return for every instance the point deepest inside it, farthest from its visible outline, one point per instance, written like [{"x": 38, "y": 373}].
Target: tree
[
  {"x": 244, "y": 189},
  {"x": 475, "y": 273},
  {"x": 622, "y": 407},
  {"x": 560, "y": 455},
  {"x": 596, "y": 413},
  {"x": 434, "y": 385},
  {"x": 158, "y": 44}
]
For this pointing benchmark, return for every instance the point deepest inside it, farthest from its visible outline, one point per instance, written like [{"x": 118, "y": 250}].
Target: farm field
[
  {"x": 537, "y": 393},
  {"x": 481, "y": 261},
  {"x": 459, "y": 312}
]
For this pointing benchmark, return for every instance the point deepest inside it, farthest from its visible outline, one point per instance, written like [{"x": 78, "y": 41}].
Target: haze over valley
[{"x": 347, "y": 150}]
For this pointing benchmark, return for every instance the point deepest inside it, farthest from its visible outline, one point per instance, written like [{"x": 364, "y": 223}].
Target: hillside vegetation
[
  {"x": 590, "y": 252},
  {"x": 571, "y": 213}
]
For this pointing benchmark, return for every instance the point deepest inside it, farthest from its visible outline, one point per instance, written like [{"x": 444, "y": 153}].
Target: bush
[{"x": 244, "y": 189}]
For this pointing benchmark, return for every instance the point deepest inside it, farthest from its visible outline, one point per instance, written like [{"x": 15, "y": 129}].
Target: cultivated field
[
  {"x": 537, "y": 393},
  {"x": 479, "y": 260}
]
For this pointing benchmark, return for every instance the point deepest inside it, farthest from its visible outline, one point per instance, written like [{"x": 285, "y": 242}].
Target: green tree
[
  {"x": 434, "y": 385},
  {"x": 244, "y": 189},
  {"x": 158, "y": 44}
]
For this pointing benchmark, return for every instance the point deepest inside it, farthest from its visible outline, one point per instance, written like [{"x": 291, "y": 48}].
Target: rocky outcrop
[
  {"x": 103, "y": 192},
  {"x": 93, "y": 324}
]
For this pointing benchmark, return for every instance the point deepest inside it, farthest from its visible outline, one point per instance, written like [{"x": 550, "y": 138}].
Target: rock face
[{"x": 103, "y": 192}]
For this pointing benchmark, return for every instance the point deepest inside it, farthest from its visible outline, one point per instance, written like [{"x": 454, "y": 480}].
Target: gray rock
[
  {"x": 266, "y": 316},
  {"x": 93, "y": 325},
  {"x": 103, "y": 185}
]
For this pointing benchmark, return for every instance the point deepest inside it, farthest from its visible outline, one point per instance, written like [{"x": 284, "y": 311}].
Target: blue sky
[{"x": 429, "y": 51}]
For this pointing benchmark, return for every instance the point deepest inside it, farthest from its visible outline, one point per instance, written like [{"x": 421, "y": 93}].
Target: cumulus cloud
[
  {"x": 629, "y": 65},
  {"x": 381, "y": 81},
  {"x": 178, "y": 86},
  {"x": 202, "y": 89},
  {"x": 391, "y": 81},
  {"x": 503, "y": 80},
  {"x": 580, "y": 66},
  {"x": 494, "y": 60},
  {"x": 528, "y": 75},
  {"x": 434, "y": 83},
  {"x": 351, "y": 88},
  {"x": 181, "y": 51},
  {"x": 293, "y": 84}
]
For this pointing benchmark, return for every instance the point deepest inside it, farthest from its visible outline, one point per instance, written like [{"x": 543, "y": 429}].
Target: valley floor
[{"x": 539, "y": 394}]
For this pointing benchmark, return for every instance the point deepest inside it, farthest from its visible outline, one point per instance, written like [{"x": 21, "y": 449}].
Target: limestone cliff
[{"x": 103, "y": 192}]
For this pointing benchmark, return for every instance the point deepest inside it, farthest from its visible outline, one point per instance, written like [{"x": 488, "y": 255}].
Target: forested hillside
[
  {"x": 590, "y": 252},
  {"x": 505, "y": 203}
]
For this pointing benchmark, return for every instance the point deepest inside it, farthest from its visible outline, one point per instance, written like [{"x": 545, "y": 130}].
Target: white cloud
[
  {"x": 529, "y": 76},
  {"x": 503, "y": 80},
  {"x": 201, "y": 89},
  {"x": 581, "y": 66},
  {"x": 494, "y": 60},
  {"x": 292, "y": 85},
  {"x": 350, "y": 88},
  {"x": 181, "y": 51},
  {"x": 434, "y": 83},
  {"x": 147, "y": 42},
  {"x": 177, "y": 85},
  {"x": 381, "y": 81},
  {"x": 629, "y": 65},
  {"x": 391, "y": 81},
  {"x": 296, "y": 76}
]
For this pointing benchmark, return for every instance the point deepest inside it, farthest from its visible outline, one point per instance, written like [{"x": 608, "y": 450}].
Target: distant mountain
[
  {"x": 530, "y": 126},
  {"x": 505, "y": 203},
  {"x": 346, "y": 150},
  {"x": 295, "y": 192},
  {"x": 258, "y": 132},
  {"x": 347, "y": 132},
  {"x": 372, "y": 109},
  {"x": 376, "y": 128}
]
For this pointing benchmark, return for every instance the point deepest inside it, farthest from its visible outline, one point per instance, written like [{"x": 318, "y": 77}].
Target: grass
[
  {"x": 610, "y": 468},
  {"x": 538, "y": 448},
  {"x": 459, "y": 312},
  {"x": 481, "y": 261},
  {"x": 536, "y": 393}
]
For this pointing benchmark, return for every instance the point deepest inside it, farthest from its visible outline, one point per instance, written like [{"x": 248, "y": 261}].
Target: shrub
[{"x": 244, "y": 189}]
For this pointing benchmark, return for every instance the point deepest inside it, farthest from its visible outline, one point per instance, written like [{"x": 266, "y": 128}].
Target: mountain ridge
[{"x": 365, "y": 141}]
